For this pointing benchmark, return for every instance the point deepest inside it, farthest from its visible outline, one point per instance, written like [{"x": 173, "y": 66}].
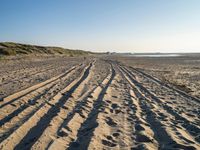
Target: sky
[{"x": 104, "y": 25}]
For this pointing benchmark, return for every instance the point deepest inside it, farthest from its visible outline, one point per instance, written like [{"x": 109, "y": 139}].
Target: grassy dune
[{"x": 9, "y": 48}]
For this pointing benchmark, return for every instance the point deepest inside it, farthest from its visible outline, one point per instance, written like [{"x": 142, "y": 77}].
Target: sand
[{"x": 93, "y": 103}]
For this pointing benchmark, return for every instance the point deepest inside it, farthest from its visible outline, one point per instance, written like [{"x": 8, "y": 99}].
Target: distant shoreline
[{"x": 156, "y": 55}]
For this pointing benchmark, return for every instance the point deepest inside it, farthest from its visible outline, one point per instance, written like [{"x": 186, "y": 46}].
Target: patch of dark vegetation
[{"x": 9, "y": 48}]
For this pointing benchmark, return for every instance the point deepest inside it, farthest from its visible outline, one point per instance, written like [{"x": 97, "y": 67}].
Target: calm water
[{"x": 155, "y": 55}]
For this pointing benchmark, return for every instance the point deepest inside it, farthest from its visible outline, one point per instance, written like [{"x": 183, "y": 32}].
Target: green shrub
[{"x": 7, "y": 52}]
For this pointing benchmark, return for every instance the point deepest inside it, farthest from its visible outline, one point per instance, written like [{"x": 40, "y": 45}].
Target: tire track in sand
[
  {"x": 14, "y": 97},
  {"x": 51, "y": 133},
  {"x": 23, "y": 76},
  {"x": 33, "y": 102},
  {"x": 42, "y": 117},
  {"x": 164, "y": 134},
  {"x": 143, "y": 135},
  {"x": 192, "y": 128},
  {"x": 167, "y": 86},
  {"x": 91, "y": 111}
]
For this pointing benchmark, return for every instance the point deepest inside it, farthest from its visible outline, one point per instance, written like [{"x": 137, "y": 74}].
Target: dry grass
[{"x": 9, "y": 48}]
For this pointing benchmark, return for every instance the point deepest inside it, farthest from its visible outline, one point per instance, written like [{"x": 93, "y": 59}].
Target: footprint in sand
[
  {"x": 110, "y": 122},
  {"x": 108, "y": 143},
  {"x": 116, "y": 134}
]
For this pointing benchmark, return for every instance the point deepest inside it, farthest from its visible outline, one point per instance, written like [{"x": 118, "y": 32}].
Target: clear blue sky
[{"x": 104, "y": 25}]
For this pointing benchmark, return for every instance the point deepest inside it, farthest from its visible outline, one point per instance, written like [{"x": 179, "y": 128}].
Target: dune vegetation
[{"x": 10, "y": 48}]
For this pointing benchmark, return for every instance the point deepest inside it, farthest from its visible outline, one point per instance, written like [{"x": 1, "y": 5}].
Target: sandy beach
[{"x": 96, "y": 103}]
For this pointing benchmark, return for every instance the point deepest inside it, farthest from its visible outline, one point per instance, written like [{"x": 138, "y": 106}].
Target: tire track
[
  {"x": 87, "y": 127},
  {"x": 23, "y": 73},
  {"x": 100, "y": 104},
  {"x": 52, "y": 132},
  {"x": 115, "y": 125},
  {"x": 29, "y": 80},
  {"x": 68, "y": 130},
  {"x": 184, "y": 106},
  {"x": 20, "y": 115},
  {"x": 167, "y": 85},
  {"x": 14, "y": 97},
  {"x": 33, "y": 134},
  {"x": 35, "y": 117},
  {"x": 189, "y": 126},
  {"x": 17, "y": 111},
  {"x": 165, "y": 140},
  {"x": 31, "y": 96},
  {"x": 143, "y": 133},
  {"x": 25, "y": 76}
]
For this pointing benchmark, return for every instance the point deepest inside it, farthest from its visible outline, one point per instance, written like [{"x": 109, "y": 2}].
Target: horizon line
[{"x": 97, "y": 51}]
